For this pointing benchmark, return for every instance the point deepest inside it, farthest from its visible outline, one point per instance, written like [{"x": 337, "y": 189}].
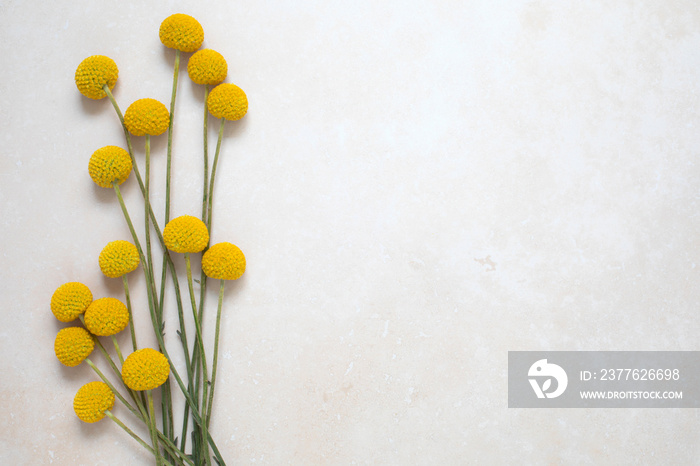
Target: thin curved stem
[
  {"x": 102, "y": 350},
  {"x": 134, "y": 236},
  {"x": 147, "y": 209},
  {"x": 190, "y": 401},
  {"x": 132, "y": 330},
  {"x": 206, "y": 155},
  {"x": 118, "y": 350},
  {"x": 142, "y": 416},
  {"x": 216, "y": 352},
  {"x": 206, "y": 195},
  {"x": 200, "y": 344},
  {"x": 166, "y": 254},
  {"x": 170, "y": 136},
  {"x": 118, "y": 374},
  {"x": 213, "y": 173},
  {"x": 111, "y": 387},
  {"x": 127, "y": 135},
  {"x": 153, "y": 429},
  {"x": 129, "y": 431},
  {"x": 156, "y": 324},
  {"x": 152, "y": 216},
  {"x": 166, "y": 401}
]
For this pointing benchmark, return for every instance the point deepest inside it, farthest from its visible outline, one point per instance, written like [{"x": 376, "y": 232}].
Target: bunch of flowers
[{"x": 147, "y": 371}]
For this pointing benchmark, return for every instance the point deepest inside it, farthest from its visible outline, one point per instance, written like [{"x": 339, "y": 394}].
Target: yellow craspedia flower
[
  {"x": 119, "y": 258},
  {"x": 73, "y": 345},
  {"x": 223, "y": 261},
  {"x": 181, "y": 32},
  {"x": 109, "y": 164},
  {"x": 147, "y": 116},
  {"x": 70, "y": 300},
  {"x": 227, "y": 101},
  {"x": 186, "y": 234},
  {"x": 145, "y": 369},
  {"x": 207, "y": 67},
  {"x": 93, "y": 73},
  {"x": 106, "y": 317},
  {"x": 92, "y": 400}
]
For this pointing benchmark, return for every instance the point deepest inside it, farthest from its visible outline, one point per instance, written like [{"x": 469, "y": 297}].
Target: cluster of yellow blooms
[{"x": 147, "y": 369}]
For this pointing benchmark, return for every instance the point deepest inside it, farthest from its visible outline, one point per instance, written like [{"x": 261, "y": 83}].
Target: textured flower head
[
  {"x": 106, "y": 316},
  {"x": 223, "y": 261},
  {"x": 146, "y": 116},
  {"x": 93, "y": 73},
  {"x": 109, "y": 164},
  {"x": 92, "y": 400},
  {"x": 186, "y": 234},
  {"x": 207, "y": 67},
  {"x": 119, "y": 258},
  {"x": 73, "y": 345},
  {"x": 227, "y": 101},
  {"x": 181, "y": 32},
  {"x": 145, "y": 369},
  {"x": 70, "y": 300}
]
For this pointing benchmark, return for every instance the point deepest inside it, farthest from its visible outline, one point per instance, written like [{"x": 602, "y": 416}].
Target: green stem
[
  {"x": 134, "y": 236},
  {"x": 142, "y": 416},
  {"x": 116, "y": 347},
  {"x": 196, "y": 354},
  {"x": 216, "y": 353},
  {"x": 166, "y": 254},
  {"x": 185, "y": 420},
  {"x": 206, "y": 155},
  {"x": 183, "y": 337},
  {"x": 213, "y": 173},
  {"x": 153, "y": 429},
  {"x": 106, "y": 354},
  {"x": 172, "y": 448},
  {"x": 147, "y": 208},
  {"x": 170, "y": 137},
  {"x": 118, "y": 374},
  {"x": 150, "y": 288},
  {"x": 129, "y": 431},
  {"x": 206, "y": 194},
  {"x": 173, "y": 370},
  {"x": 127, "y": 135},
  {"x": 166, "y": 401},
  {"x": 111, "y": 387},
  {"x": 200, "y": 344},
  {"x": 132, "y": 330}
]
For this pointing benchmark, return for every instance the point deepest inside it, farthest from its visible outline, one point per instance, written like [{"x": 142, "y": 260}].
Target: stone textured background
[{"x": 419, "y": 187}]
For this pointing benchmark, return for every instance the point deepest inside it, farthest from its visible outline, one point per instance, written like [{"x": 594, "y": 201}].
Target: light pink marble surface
[{"x": 419, "y": 187}]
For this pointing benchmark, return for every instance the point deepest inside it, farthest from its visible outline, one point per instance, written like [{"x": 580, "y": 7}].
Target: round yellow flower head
[
  {"x": 181, "y": 32},
  {"x": 106, "y": 317},
  {"x": 223, "y": 261},
  {"x": 119, "y": 258},
  {"x": 186, "y": 234},
  {"x": 227, "y": 101},
  {"x": 70, "y": 300},
  {"x": 145, "y": 369},
  {"x": 92, "y": 400},
  {"x": 147, "y": 116},
  {"x": 73, "y": 345},
  {"x": 109, "y": 164},
  {"x": 93, "y": 73},
  {"x": 207, "y": 67}
]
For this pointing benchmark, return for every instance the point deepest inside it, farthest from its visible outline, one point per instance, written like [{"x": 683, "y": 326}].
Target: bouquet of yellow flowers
[{"x": 145, "y": 372}]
